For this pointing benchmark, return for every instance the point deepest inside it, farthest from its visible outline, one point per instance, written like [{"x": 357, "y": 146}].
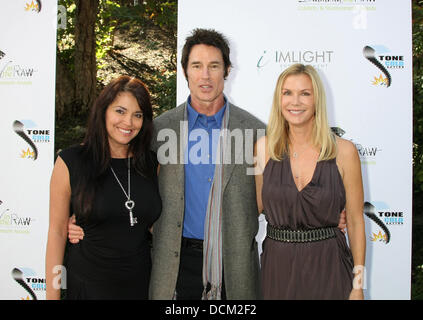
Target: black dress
[
  {"x": 113, "y": 260},
  {"x": 314, "y": 270}
]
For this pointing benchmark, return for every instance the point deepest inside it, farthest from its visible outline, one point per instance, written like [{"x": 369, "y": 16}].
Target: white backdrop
[
  {"x": 369, "y": 97},
  {"x": 370, "y": 101},
  {"x": 27, "y": 91}
]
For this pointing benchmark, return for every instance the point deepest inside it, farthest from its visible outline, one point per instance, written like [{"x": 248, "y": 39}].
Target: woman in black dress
[{"x": 110, "y": 183}]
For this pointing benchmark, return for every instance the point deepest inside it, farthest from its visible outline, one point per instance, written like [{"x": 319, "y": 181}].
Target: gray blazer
[{"x": 240, "y": 217}]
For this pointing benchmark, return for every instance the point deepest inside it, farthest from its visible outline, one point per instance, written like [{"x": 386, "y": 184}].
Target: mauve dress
[{"x": 313, "y": 270}]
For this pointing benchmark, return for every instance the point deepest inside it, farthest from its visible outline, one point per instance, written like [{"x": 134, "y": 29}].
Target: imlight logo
[{"x": 283, "y": 58}]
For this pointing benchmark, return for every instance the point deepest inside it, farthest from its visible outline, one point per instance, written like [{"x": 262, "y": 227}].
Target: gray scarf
[{"x": 212, "y": 245}]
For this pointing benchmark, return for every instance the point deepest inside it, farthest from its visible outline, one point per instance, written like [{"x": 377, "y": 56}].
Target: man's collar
[{"x": 193, "y": 114}]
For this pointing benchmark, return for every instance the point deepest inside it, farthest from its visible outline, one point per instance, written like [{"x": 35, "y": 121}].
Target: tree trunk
[
  {"x": 65, "y": 88},
  {"x": 85, "y": 53}
]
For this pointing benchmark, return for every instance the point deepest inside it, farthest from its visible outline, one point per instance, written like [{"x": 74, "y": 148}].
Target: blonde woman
[{"x": 305, "y": 177}]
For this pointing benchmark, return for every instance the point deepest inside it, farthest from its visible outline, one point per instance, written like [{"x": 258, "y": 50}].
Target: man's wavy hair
[{"x": 209, "y": 37}]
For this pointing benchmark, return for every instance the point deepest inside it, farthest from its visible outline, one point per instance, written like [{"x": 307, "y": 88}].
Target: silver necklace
[
  {"x": 296, "y": 174},
  {"x": 129, "y": 204},
  {"x": 295, "y": 155}
]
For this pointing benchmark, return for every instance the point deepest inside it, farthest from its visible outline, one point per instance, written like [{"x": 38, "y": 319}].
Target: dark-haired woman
[{"x": 110, "y": 183}]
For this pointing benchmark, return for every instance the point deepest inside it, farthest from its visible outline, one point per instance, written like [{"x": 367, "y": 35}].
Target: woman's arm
[
  {"x": 351, "y": 173},
  {"x": 60, "y": 195},
  {"x": 261, "y": 158}
]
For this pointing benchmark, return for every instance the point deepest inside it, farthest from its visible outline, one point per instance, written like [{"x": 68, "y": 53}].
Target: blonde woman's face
[{"x": 297, "y": 100}]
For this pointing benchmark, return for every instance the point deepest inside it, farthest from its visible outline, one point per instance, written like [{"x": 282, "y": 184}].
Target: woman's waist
[
  {"x": 301, "y": 233},
  {"x": 302, "y": 218},
  {"x": 93, "y": 251},
  {"x": 95, "y": 262},
  {"x": 115, "y": 239}
]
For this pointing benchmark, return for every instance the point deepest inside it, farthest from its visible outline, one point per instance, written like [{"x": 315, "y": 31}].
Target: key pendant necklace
[{"x": 129, "y": 204}]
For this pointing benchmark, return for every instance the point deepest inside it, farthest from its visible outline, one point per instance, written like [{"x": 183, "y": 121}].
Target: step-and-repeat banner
[
  {"x": 27, "y": 94},
  {"x": 362, "y": 49},
  {"x": 363, "y": 52}
]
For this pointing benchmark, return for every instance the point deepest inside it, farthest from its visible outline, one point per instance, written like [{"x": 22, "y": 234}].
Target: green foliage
[
  {"x": 162, "y": 13},
  {"x": 165, "y": 89},
  {"x": 417, "y": 264},
  {"x": 106, "y": 24},
  {"x": 417, "y": 280},
  {"x": 69, "y": 130},
  {"x": 66, "y": 36},
  {"x": 119, "y": 16},
  {"x": 110, "y": 16}
]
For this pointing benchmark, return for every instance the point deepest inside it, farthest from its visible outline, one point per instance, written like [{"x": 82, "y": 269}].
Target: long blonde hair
[{"x": 278, "y": 127}]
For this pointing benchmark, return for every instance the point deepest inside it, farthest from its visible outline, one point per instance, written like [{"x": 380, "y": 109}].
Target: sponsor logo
[
  {"x": 368, "y": 153},
  {"x": 34, "y": 6},
  {"x": 392, "y": 217},
  {"x": 31, "y": 134},
  {"x": 336, "y": 2},
  {"x": 12, "y": 222},
  {"x": 335, "y": 5},
  {"x": 352, "y": 2},
  {"x": 318, "y": 58},
  {"x": 3, "y": 62},
  {"x": 381, "y": 57},
  {"x": 356, "y": 10},
  {"x": 29, "y": 281},
  {"x": 383, "y": 235},
  {"x": 388, "y": 215},
  {"x": 14, "y": 73}
]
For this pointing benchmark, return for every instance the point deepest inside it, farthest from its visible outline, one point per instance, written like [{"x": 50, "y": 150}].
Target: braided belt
[{"x": 302, "y": 236}]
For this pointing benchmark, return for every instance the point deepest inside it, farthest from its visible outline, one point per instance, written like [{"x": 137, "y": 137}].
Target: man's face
[{"x": 205, "y": 74}]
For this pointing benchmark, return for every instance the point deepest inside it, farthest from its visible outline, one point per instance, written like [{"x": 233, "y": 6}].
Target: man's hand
[
  {"x": 343, "y": 221},
  {"x": 75, "y": 232}
]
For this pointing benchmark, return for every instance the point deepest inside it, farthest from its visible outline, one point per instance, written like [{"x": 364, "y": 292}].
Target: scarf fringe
[{"x": 215, "y": 293}]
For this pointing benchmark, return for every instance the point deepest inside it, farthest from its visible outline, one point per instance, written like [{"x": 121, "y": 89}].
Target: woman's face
[
  {"x": 124, "y": 120},
  {"x": 297, "y": 100}
]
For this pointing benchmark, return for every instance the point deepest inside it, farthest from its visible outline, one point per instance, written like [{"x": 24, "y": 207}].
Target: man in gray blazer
[
  {"x": 193, "y": 218},
  {"x": 204, "y": 241}
]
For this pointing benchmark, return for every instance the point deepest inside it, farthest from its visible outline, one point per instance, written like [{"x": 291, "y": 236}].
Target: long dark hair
[{"x": 96, "y": 151}]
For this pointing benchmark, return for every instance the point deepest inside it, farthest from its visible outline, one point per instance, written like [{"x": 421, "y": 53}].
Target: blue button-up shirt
[{"x": 199, "y": 167}]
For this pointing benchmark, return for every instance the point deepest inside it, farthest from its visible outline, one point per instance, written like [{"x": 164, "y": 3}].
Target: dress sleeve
[{"x": 71, "y": 157}]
